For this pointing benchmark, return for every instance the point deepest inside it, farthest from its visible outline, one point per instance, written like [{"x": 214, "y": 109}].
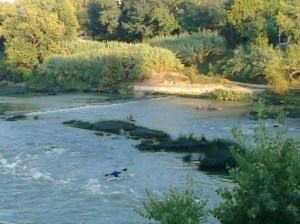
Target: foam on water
[
  {"x": 21, "y": 168},
  {"x": 38, "y": 175},
  {"x": 89, "y": 106}
]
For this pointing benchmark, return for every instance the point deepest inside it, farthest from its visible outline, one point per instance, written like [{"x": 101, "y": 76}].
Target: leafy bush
[
  {"x": 6, "y": 74},
  {"x": 292, "y": 60},
  {"x": 175, "y": 207},
  {"x": 251, "y": 63},
  {"x": 192, "y": 48},
  {"x": 228, "y": 95},
  {"x": 266, "y": 181},
  {"x": 109, "y": 66}
]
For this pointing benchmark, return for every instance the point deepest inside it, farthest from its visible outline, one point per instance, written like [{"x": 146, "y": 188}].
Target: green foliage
[
  {"x": 5, "y": 73},
  {"x": 103, "y": 19},
  {"x": 32, "y": 31},
  {"x": 266, "y": 181},
  {"x": 110, "y": 66},
  {"x": 288, "y": 19},
  {"x": 131, "y": 20},
  {"x": 30, "y": 36},
  {"x": 256, "y": 19},
  {"x": 265, "y": 20},
  {"x": 258, "y": 64},
  {"x": 175, "y": 207},
  {"x": 227, "y": 95},
  {"x": 292, "y": 59},
  {"x": 6, "y": 10},
  {"x": 192, "y": 48},
  {"x": 66, "y": 14},
  {"x": 146, "y": 19},
  {"x": 195, "y": 15},
  {"x": 193, "y": 74}
]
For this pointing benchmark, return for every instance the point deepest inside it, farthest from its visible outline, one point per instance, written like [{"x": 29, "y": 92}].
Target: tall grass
[
  {"x": 192, "y": 48},
  {"x": 226, "y": 95},
  {"x": 106, "y": 66}
]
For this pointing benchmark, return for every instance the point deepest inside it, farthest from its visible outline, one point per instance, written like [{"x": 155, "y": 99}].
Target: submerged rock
[
  {"x": 16, "y": 117},
  {"x": 79, "y": 124},
  {"x": 113, "y": 126},
  {"x": 146, "y": 133},
  {"x": 36, "y": 117}
]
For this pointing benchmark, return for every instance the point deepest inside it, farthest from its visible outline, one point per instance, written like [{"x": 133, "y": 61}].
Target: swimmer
[{"x": 116, "y": 173}]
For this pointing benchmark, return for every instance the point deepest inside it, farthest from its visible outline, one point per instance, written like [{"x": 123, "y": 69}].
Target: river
[{"x": 52, "y": 173}]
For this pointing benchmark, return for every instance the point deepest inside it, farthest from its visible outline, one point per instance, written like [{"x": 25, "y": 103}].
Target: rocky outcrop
[{"x": 214, "y": 155}]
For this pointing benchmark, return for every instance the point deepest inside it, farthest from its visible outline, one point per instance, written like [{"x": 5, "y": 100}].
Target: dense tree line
[
  {"x": 31, "y": 30},
  {"x": 135, "y": 20}
]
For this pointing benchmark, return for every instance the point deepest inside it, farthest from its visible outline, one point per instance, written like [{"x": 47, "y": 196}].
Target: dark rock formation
[{"x": 214, "y": 155}]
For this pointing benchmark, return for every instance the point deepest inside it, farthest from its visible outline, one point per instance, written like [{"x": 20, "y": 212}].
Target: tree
[
  {"x": 103, "y": 19},
  {"x": 109, "y": 19},
  {"x": 66, "y": 14},
  {"x": 288, "y": 19},
  {"x": 30, "y": 36},
  {"x": 256, "y": 19},
  {"x": 6, "y": 10},
  {"x": 195, "y": 15},
  {"x": 258, "y": 64},
  {"x": 146, "y": 19},
  {"x": 266, "y": 182}
]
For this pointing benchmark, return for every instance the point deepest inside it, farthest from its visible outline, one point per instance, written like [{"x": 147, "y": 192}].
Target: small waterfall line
[{"x": 103, "y": 105}]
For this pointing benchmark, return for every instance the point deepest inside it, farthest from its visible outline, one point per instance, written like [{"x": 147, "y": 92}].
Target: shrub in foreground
[
  {"x": 266, "y": 182},
  {"x": 175, "y": 207}
]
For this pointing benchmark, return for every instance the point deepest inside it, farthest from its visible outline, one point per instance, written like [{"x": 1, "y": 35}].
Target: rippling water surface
[{"x": 52, "y": 173}]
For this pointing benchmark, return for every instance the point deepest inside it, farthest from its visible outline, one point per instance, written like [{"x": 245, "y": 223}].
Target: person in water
[
  {"x": 116, "y": 173},
  {"x": 130, "y": 118}
]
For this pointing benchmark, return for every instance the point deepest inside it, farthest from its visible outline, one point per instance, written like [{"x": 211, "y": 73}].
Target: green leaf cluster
[
  {"x": 175, "y": 207},
  {"x": 258, "y": 64},
  {"x": 32, "y": 29},
  {"x": 266, "y": 182}
]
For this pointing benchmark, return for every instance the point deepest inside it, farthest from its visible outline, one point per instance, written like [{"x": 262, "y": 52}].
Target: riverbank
[
  {"x": 187, "y": 89},
  {"x": 153, "y": 87}
]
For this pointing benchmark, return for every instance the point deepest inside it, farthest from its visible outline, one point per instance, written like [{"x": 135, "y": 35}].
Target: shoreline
[
  {"x": 197, "y": 89},
  {"x": 179, "y": 89}
]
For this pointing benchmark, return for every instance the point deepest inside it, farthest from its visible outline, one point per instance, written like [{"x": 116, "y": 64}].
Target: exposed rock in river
[
  {"x": 118, "y": 127},
  {"x": 213, "y": 155},
  {"x": 16, "y": 117}
]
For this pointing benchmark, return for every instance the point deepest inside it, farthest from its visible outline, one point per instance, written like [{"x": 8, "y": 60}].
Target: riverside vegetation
[{"x": 44, "y": 43}]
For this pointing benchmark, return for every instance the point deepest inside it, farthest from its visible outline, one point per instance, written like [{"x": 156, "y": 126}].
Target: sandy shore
[{"x": 197, "y": 89}]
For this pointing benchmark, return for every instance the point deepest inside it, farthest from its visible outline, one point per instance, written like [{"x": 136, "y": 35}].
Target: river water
[{"x": 52, "y": 173}]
